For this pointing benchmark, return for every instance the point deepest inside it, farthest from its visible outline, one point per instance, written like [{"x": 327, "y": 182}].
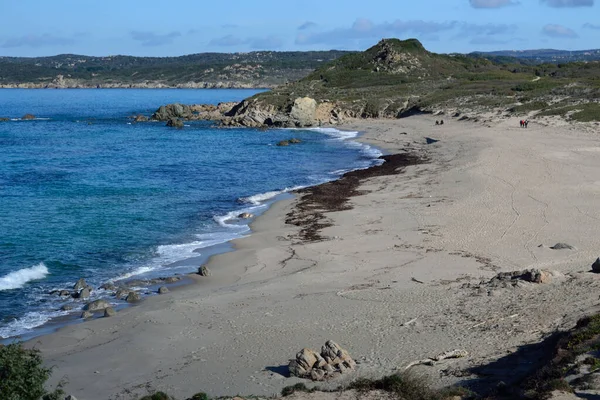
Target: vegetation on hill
[
  {"x": 397, "y": 78},
  {"x": 255, "y": 69}
]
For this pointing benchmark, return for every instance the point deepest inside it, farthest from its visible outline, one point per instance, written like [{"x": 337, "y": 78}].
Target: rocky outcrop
[
  {"x": 175, "y": 123},
  {"x": 331, "y": 362},
  {"x": 28, "y": 117},
  {"x": 172, "y": 111},
  {"x": 140, "y": 118},
  {"x": 245, "y": 215},
  {"x": 304, "y": 111},
  {"x": 203, "y": 112},
  {"x": 204, "y": 271}
]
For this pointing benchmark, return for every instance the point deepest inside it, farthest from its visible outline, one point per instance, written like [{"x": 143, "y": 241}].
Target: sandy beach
[{"x": 399, "y": 274}]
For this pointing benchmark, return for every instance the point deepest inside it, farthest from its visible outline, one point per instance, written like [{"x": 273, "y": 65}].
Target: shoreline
[
  {"x": 73, "y": 318},
  {"x": 401, "y": 275}
]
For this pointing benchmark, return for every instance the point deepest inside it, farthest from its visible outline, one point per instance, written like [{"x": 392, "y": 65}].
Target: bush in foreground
[{"x": 22, "y": 375}]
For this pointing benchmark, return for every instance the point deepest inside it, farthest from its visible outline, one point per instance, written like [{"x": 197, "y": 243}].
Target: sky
[{"x": 33, "y": 28}]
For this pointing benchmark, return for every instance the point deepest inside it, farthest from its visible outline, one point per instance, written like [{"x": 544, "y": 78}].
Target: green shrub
[
  {"x": 199, "y": 396},
  {"x": 22, "y": 375},
  {"x": 157, "y": 396}
]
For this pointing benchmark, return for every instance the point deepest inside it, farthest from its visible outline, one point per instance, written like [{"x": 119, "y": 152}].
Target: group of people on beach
[
  {"x": 524, "y": 123},
  {"x": 441, "y": 122}
]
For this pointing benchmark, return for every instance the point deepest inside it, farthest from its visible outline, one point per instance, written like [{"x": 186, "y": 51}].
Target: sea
[{"x": 86, "y": 192}]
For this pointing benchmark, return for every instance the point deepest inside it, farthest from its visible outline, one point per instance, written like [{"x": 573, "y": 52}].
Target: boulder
[
  {"x": 109, "y": 312},
  {"x": 307, "y": 358},
  {"x": 108, "y": 286},
  {"x": 172, "y": 279},
  {"x": 3, "y": 119},
  {"x": 97, "y": 305},
  {"x": 133, "y": 297},
  {"x": 283, "y": 143},
  {"x": 596, "y": 266},
  {"x": 64, "y": 293},
  {"x": 304, "y": 111},
  {"x": 80, "y": 284},
  {"x": 70, "y": 397},
  {"x": 163, "y": 290},
  {"x": 175, "y": 123},
  {"x": 121, "y": 293},
  {"x": 204, "y": 271},
  {"x": 294, "y": 141},
  {"x": 562, "y": 246},
  {"x": 28, "y": 117},
  {"x": 245, "y": 215},
  {"x": 66, "y": 307},
  {"x": 84, "y": 294},
  {"x": 86, "y": 315},
  {"x": 537, "y": 276},
  {"x": 173, "y": 111}
]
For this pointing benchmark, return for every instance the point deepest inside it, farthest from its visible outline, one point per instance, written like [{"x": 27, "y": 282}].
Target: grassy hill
[
  {"x": 256, "y": 69},
  {"x": 396, "y": 78}
]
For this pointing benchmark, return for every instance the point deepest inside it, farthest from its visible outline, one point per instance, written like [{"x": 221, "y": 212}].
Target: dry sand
[{"x": 414, "y": 247}]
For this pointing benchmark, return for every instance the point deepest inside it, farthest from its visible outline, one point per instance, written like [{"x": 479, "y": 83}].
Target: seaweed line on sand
[{"x": 315, "y": 201}]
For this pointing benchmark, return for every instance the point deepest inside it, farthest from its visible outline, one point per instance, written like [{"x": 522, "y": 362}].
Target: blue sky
[{"x": 163, "y": 28}]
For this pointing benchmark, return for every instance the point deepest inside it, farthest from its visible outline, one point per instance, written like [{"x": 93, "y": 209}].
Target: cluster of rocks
[
  {"x": 174, "y": 114},
  {"x": 513, "y": 278},
  {"x": 330, "y": 363},
  {"x": 82, "y": 291},
  {"x": 289, "y": 141}
]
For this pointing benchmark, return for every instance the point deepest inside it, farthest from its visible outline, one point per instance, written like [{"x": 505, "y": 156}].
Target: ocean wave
[
  {"x": 224, "y": 220},
  {"x": 28, "y": 322},
  {"x": 260, "y": 198},
  {"x": 18, "y": 279}
]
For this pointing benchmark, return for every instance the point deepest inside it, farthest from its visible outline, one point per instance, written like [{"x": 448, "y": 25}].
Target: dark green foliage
[
  {"x": 298, "y": 387},
  {"x": 199, "y": 396},
  {"x": 22, "y": 375},
  {"x": 273, "y": 68},
  {"x": 407, "y": 386},
  {"x": 396, "y": 75},
  {"x": 157, "y": 396}
]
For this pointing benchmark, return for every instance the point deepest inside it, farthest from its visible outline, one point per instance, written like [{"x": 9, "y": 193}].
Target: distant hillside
[
  {"x": 398, "y": 78},
  {"x": 257, "y": 69},
  {"x": 542, "y": 55}
]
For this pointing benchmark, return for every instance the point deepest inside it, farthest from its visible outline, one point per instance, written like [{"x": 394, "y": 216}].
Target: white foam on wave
[
  {"x": 28, "y": 322},
  {"x": 17, "y": 279},
  {"x": 260, "y": 198},
  {"x": 225, "y": 220}
]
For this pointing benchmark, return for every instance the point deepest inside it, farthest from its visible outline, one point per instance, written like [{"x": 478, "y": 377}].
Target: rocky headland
[{"x": 397, "y": 79}]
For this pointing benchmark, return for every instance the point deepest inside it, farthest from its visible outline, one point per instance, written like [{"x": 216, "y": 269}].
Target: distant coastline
[{"x": 76, "y": 84}]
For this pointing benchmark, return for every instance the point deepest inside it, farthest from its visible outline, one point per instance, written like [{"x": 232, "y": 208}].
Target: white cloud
[
  {"x": 569, "y": 3},
  {"x": 491, "y": 3},
  {"x": 559, "y": 31}
]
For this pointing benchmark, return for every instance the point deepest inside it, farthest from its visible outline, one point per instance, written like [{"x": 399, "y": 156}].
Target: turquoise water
[{"x": 85, "y": 193}]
